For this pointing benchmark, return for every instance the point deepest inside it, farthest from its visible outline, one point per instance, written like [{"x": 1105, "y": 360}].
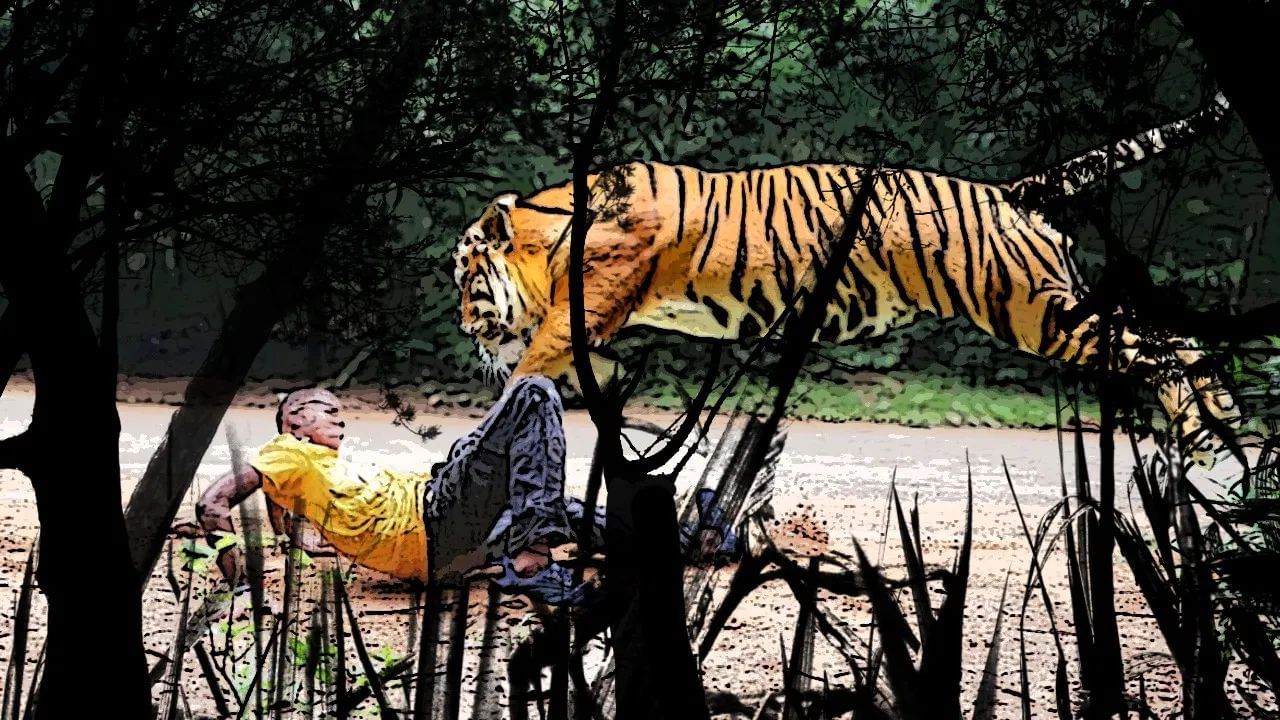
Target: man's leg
[{"x": 513, "y": 461}]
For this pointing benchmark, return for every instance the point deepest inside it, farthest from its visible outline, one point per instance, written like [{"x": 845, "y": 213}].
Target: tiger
[{"x": 723, "y": 255}]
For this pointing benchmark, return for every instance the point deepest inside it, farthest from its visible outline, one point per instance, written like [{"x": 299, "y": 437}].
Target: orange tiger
[{"x": 723, "y": 254}]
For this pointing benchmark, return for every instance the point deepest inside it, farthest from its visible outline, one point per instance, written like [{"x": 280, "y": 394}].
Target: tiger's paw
[
  {"x": 1200, "y": 449},
  {"x": 607, "y": 372}
]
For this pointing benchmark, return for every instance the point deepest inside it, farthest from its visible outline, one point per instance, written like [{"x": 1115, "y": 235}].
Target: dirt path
[{"x": 831, "y": 490}]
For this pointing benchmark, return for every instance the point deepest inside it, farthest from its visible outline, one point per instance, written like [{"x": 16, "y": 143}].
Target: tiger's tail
[{"x": 1082, "y": 170}]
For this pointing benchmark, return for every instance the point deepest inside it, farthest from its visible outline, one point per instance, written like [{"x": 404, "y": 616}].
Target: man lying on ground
[{"x": 497, "y": 498}]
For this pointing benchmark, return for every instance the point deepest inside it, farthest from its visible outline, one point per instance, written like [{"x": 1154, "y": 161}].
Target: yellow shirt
[{"x": 375, "y": 520}]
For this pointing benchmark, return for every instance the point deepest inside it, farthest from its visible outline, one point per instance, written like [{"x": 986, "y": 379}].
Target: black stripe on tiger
[
  {"x": 1034, "y": 242},
  {"x": 648, "y": 278},
  {"x": 849, "y": 187},
  {"x": 917, "y": 247},
  {"x": 859, "y": 288},
  {"x": 781, "y": 263},
  {"x": 786, "y": 272},
  {"x": 940, "y": 216},
  {"x": 818, "y": 263},
  {"x": 717, "y": 311},
  {"x": 896, "y": 278},
  {"x": 808, "y": 205},
  {"x": 839, "y": 196},
  {"x": 1013, "y": 246},
  {"x": 791, "y": 228},
  {"x": 760, "y": 304},
  {"x": 817, "y": 181},
  {"x": 680, "y": 191},
  {"x": 1047, "y": 336},
  {"x": 710, "y": 222},
  {"x": 1006, "y": 281},
  {"x": 706, "y": 208},
  {"x": 989, "y": 256},
  {"x": 990, "y": 261},
  {"x": 971, "y": 261},
  {"x": 740, "y": 258},
  {"x": 876, "y": 216}
]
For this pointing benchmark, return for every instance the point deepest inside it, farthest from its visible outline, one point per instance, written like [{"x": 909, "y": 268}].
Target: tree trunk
[
  {"x": 657, "y": 675},
  {"x": 71, "y": 456}
]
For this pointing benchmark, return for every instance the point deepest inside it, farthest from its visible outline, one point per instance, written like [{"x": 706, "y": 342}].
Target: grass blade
[
  {"x": 1253, "y": 644},
  {"x": 340, "y": 675},
  {"x": 255, "y": 686},
  {"x": 251, "y": 528},
  {"x": 396, "y": 671},
  {"x": 801, "y": 666},
  {"x": 411, "y": 647},
  {"x": 283, "y": 661},
  {"x": 179, "y": 644},
  {"x": 315, "y": 647},
  {"x": 1024, "y": 682},
  {"x": 1077, "y": 546},
  {"x": 33, "y": 692},
  {"x": 424, "y": 683},
  {"x": 215, "y": 689},
  {"x": 21, "y": 633},
  {"x": 1156, "y": 588},
  {"x": 1037, "y": 578},
  {"x": 984, "y": 705},
  {"x": 915, "y": 569},
  {"x": 481, "y": 706},
  {"x": 894, "y": 632},
  {"x": 941, "y": 660},
  {"x": 362, "y": 652},
  {"x": 328, "y": 649},
  {"x": 457, "y": 647}
]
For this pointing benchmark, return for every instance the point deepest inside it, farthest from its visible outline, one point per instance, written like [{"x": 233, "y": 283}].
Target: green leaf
[
  {"x": 226, "y": 540},
  {"x": 1132, "y": 179},
  {"x": 1197, "y": 206},
  {"x": 298, "y": 646},
  {"x": 1234, "y": 271}
]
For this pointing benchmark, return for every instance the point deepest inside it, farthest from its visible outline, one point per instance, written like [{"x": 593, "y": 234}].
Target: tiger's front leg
[
  {"x": 609, "y": 298},
  {"x": 550, "y": 354}
]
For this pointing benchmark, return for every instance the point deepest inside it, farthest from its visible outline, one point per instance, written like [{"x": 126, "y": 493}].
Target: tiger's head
[{"x": 501, "y": 274}]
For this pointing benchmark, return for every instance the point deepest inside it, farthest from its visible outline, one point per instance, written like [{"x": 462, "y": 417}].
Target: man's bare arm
[
  {"x": 277, "y": 516},
  {"x": 214, "y": 513},
  {"x": 297, "y": 531}
]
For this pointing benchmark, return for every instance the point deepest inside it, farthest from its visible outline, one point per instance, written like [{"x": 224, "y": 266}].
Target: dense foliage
[{"x": 987, "y": 91}]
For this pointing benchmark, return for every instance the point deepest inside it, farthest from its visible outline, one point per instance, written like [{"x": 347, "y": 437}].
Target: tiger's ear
[{"x": 497, "y": 225}]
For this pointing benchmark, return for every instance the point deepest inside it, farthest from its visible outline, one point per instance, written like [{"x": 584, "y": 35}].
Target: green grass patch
[{"x": 916, "y": 401}]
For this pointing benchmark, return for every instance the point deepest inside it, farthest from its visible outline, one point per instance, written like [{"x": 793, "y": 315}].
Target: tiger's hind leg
[
  {"x": 1190, "y": 389},
  {"x": 1194, "y": 398}
]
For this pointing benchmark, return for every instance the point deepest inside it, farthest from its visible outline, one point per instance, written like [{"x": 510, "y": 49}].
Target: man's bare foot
[
  {"x": 532, "y": 560},
  {"x": 709, "y": 542}
]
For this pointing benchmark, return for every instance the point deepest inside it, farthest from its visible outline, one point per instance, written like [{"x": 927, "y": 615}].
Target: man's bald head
[{"x": 311, "y": 413}]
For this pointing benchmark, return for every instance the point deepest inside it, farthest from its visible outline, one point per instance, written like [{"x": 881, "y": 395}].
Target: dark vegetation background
[{"x": 981, "y": 91}]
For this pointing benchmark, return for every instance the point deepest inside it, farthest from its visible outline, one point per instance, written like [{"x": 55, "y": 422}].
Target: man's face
[{"x": 316, "y": 416}]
